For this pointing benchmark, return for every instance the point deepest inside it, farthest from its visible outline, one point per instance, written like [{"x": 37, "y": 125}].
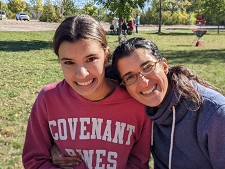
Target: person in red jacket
[{"x": 86, "y": 115}]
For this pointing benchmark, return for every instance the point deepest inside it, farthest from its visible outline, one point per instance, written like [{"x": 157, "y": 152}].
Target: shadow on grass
[
  {"x": 16, "y": 46},
  {"x": 194, "y": 57},
  {"x": 173, "y": 33}
]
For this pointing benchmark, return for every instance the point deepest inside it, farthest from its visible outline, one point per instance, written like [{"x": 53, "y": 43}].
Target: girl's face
[
  {"x": 149, "y": 89},
  {"x": 83, "y": 66}
]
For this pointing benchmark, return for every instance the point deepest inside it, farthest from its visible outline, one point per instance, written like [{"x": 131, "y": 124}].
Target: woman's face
[
  {"x": 151, "y": 88},
  {"x": 83, "y": 66}
]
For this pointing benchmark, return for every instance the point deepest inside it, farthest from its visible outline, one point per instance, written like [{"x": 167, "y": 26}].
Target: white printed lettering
[
  {"x": 131, "y": 130},
  {"x": 73, "y": 126},
  {"x": 83, "y": 128},
  {"x": 107, "y": 134},
  {"x": 53, "y": 123},
  {"x": 96, "y": 128},
  {"x": 62, "y": 129},
  {"x": 119, "y": 133}
]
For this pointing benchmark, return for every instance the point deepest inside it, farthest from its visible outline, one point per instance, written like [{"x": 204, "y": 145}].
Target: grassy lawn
[{"x": 27, "y": 63}]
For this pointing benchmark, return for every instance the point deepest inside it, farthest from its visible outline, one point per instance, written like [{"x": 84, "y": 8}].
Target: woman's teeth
[
  {"x": 85, "y": 83},
  {"x": 150, "y": 90}
]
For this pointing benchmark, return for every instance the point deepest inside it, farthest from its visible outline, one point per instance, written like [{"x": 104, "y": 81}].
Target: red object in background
[
  {"x": 200, "y": 20},
  {"x": 200, "y": 17},
  {"x": 131, "y": 25},
  {"x": 199, "y": 33},
  {"x": 198, "y": 43}
]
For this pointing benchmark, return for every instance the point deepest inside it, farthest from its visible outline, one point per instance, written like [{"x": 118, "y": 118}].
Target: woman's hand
[{"x": 62, "y": 161}]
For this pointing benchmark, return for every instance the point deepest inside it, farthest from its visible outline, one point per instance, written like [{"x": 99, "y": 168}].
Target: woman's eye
[
  {"x": 147, "y": 67},
  {"x": 91, "y": 59},
  {"x": 129, "y": 78}
]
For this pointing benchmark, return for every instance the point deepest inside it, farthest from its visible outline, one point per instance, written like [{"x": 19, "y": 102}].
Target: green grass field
[{"x": 27, "y": 63}]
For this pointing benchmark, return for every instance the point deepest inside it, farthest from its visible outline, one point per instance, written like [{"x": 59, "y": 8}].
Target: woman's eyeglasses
[{"x": 144, "y": 70}]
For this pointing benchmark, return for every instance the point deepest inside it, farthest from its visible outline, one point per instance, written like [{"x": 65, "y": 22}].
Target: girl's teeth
[{"x": 85, "y": 83}]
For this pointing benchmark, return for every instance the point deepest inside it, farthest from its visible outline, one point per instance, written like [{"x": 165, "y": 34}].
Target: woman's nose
[{"x": 142, "y": 80}]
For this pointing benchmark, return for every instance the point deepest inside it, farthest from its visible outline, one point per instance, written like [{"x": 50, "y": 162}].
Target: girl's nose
[
  {"x": 142, "y": 80},
  {"x": 82, "y": 72}
]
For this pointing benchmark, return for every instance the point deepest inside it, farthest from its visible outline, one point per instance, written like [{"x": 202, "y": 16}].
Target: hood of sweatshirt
[{"x": 163, "y": 114}]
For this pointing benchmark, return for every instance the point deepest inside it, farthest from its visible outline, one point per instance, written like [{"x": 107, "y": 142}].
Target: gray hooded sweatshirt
[{"x": 186, "y": 139}]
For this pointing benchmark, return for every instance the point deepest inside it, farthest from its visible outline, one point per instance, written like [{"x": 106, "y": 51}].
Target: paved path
[{"x": 33, "y": 25}]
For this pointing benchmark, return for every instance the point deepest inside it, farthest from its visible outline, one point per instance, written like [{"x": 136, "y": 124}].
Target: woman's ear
[
  {"x": 107, "y": 54},
  {"x": 165, "y": 66}
]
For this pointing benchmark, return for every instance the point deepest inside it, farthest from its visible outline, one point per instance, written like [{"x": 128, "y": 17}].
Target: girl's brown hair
[{"x": 79, "y": 27}]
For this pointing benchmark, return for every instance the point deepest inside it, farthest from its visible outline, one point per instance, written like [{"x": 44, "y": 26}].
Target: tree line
[{"x": 165, "y": 12}]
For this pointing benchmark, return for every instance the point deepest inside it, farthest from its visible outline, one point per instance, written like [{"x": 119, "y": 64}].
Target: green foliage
[
  {"x": 17, "y": 5},
  {"x": 68, "y": 7},
  {"x": 90, "y": 9},
  {"x": 49, "y": 13},
  {"x": 36, "y": 8},
  {"x": 213, "y": 11},
  {"x": 168, "y": 18},
  {"x": 178, "y": 18},
  {"x": 123, "y": 8}
]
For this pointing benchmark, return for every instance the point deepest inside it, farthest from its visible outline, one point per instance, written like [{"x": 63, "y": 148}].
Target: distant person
[
  {"x": 86, "y": 115},
  {"x": 137, "y": 22},
  {"x": 130, "y": 26},
  {"x": 116, "y": 24},
  {"x": 124, "y": 27}
]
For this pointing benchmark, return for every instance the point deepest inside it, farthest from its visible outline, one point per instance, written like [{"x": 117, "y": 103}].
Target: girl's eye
[
  {"x": 68, "y": 63},
  {"x": 91, "y": 59}
]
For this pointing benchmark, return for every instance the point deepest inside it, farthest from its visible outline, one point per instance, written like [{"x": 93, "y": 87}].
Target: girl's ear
[
  {"x": 107, "y": 54},
  {"x": 165, "y": 66}
]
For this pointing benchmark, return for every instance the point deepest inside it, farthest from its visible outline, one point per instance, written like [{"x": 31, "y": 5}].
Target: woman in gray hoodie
[{"x": 188, "y": 113}]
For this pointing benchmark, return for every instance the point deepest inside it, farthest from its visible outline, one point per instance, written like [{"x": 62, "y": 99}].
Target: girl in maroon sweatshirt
[{"x": 86, "y": 115}]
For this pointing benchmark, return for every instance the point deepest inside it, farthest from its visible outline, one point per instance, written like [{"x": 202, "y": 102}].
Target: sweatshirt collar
[{"x": 163, "y": 115}]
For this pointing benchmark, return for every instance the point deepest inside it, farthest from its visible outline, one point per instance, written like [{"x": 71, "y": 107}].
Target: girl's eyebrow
[{"x": 65, "y": 59}]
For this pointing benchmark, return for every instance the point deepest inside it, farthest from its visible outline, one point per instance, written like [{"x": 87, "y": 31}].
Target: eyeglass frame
[{"x": 140, "y": 72}]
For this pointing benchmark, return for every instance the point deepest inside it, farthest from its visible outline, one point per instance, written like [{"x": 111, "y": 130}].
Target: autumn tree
[
  {"x": 214, "y": 11},
  {"x": 49, "y": 13},
  {"x": 37, "y": 7},
  {"x": 90, "y": 9},
  {"x": 17, "y": 5}
]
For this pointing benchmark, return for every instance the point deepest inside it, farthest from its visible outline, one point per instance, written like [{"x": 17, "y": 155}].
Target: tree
[
  {"x": 49, "y": 13},
  {"x": 90, "y": 9},
  {"x": 121, "y": 8},
  {"x": 215, "y": 10},
  {"x": 68, "y": 7},
  {"x": 17, "y": 5},
  {"x": 37, "y": 7}
]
